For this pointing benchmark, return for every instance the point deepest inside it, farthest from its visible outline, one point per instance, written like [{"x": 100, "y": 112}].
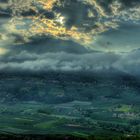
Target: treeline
[{"x": 64, "y": 137}]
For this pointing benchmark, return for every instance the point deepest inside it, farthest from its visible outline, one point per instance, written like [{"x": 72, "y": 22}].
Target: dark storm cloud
[
  {"x": 46, "y": 52},
  {"x": 130, "y": 3},
  {"x": 76, "y": 11}
]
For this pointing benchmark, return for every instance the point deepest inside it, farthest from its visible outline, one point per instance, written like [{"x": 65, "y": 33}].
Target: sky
[{"x": 70, "y": 35}]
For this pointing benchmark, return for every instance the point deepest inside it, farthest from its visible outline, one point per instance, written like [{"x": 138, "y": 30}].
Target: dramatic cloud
[
  {"x": 69, "y": 35},
  {"x": 67, "y": 19}
]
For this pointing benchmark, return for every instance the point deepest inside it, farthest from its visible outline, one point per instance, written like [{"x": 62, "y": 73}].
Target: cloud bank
[{"x": 62, "y": 61}]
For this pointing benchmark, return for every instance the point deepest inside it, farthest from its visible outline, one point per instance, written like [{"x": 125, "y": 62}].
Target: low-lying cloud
[{"x": 62, "y": 61}]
